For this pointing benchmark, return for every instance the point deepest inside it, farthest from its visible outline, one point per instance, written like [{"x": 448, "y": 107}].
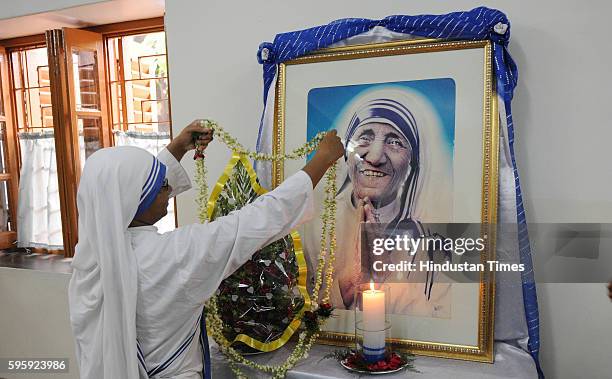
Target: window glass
[
  {"x": 39, "y": 200},
  {"x": 139, "y": 84},
  {"x": 5, "y": 215},
  {"x": 2, "y": 147},
  {"x": 85, "y": 68}
]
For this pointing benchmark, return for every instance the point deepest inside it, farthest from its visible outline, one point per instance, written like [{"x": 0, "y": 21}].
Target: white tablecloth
[{"x": 510, "y": 362}]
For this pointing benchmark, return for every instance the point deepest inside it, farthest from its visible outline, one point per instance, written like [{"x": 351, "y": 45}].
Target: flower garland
[
  {"x": 328, "y": 238},
  {"x": 313, "y": 319},
  {"x": 234, "y": 145},
  {"x": 202, "y": 184}
]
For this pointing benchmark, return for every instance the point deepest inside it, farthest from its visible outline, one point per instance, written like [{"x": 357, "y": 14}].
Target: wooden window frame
[
  {"x": 11, "y": 153},
  {"x": 107, "y": 31},
  {"x": 14, "y": 45}
]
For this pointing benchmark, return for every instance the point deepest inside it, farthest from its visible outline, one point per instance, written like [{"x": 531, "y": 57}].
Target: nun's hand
[
  {"x": 191, "y": 136},
  {"x": 331, "y": 147}
]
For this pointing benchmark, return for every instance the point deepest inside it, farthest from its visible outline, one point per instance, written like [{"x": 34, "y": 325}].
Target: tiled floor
[{"x": 40, "y": 262}]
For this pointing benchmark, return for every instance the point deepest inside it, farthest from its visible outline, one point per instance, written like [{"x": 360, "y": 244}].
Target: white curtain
[
  {"x": 153, "y": 143},
  {"x": 39, "y": 221}
]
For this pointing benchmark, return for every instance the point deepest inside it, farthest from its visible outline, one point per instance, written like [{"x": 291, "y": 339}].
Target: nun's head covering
[
  {"x": 116, "y": 183},
  {"x": 397, "y": 115},
  {"x": 152, "y": 186}
]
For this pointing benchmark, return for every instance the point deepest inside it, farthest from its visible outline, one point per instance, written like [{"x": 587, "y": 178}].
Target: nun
[{"x": 136, "y": 296}]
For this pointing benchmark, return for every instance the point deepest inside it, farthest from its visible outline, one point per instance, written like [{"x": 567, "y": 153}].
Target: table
[{"x": 510, "y": 362}]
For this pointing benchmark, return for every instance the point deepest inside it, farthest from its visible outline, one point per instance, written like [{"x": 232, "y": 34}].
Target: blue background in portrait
[{"x": 326, "y": 104}]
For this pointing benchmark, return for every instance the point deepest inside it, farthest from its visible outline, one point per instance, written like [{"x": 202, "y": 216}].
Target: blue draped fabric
[{"x": 477, "y": 24}]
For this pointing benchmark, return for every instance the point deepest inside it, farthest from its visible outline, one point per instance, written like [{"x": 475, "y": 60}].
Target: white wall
[
  {"x": 560, "y": 114},
  {"x": 34, "y": 319}
]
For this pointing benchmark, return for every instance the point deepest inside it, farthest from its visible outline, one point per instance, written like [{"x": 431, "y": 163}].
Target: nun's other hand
[{"x": 610, "y": 290}]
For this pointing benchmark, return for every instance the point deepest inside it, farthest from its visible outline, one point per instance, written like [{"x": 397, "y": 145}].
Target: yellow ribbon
[{"x": 299, "y": 255}]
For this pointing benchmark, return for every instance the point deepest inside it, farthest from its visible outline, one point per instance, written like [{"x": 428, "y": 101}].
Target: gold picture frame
[{"x": 482, "y": 350}]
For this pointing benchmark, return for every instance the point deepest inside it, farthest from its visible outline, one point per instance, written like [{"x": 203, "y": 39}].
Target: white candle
[{"x": 373, "y": 324}]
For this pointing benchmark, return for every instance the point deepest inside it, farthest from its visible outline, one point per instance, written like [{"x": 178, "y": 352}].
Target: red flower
[
  {"x": 325, "y": 310},
  {"x": 391, "y": 361},
  {"x": 378, "y": 366}
]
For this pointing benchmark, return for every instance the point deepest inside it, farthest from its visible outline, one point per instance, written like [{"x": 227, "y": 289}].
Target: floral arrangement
[
  {"x": 320, "y": 309},
  {"x": 355, "y": 360},
  {"x": 262, "y": 298}
]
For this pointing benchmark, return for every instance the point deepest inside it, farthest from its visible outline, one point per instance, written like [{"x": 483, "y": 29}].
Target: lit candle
[{"x": 373, "y": 324}]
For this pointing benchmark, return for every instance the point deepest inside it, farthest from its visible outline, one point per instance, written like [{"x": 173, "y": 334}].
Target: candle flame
[{"x": 372, "y": 285}]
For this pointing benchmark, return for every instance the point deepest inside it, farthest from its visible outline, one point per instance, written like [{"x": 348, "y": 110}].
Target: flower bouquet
[{"x": 259, "y": 301}]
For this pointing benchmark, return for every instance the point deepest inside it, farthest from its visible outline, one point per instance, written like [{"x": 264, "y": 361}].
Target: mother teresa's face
[{"x": 379, "y": 162}]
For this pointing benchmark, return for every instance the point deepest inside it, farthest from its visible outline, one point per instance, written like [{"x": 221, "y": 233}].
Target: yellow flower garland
[{"x": 324, "y": 269}]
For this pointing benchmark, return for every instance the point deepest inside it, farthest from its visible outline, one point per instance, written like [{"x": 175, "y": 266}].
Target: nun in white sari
[{"x": 136, "y": 296}]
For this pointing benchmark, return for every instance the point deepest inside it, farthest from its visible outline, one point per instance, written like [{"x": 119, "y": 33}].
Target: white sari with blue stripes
[{"x": 179, "y": 270}]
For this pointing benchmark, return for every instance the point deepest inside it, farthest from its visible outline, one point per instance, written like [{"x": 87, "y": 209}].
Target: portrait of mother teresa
[{"x": 390, "y": 160}]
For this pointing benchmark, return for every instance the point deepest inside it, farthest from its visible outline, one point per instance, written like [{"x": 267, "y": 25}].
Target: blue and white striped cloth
[
  {"x": 152, "y": 186},
  {"x": 159, "y": 369}
]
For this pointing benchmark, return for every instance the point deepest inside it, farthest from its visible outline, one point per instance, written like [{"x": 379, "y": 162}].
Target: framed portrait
[{"x": 419, "y": 122}]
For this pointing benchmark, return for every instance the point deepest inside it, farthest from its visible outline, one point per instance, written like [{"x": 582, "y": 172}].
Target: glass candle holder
[{"x": 371, "y": 325}]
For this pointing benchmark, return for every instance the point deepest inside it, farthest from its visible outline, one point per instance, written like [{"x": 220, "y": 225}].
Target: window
[
  {"x": 139, "y": 83},
  {"x": 65, "y": 95},
  {"x": 39, "y": 198},
  {"x": 32, "y": 89},
  {"x": 140, "y": 106}
]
